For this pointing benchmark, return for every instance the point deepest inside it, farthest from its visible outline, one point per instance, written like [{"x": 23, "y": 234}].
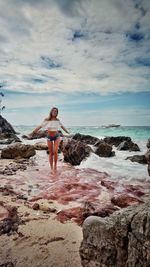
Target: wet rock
[
  {"x": 147, "y": 156},
  {"x": 128, "y": 145},
  {"x": 8, "y": 138},
  {"x": 119, "y": 240},
  {"x": 18, "y": 151},
  {"x": 116, "y": 140},
  {"x": 87, "y": 139},
  {"x": 138, "y": 158},
  {"x": 75, "y": 151},
  {"x": 148, "y": 143},
  {"x": 125, "y": 200},
  {"x": 104, "y": 150}
]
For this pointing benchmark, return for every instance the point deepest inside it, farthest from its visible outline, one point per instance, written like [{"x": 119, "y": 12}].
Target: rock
[
  {"x": 148, "y": 169},
  {"x": 5, "y": 126},
  {"x": 75, "y": 151},
  {"x": 87, "y": 139},
  {"x": 40, "y": 146},
  {"x": 104, "y": 150},
  {"x": 116, "y": 140},
  {"x": 147, "y": 156},
  {"x": 8, "y": 138},
  {"x": 138, "y": 158},
  {"x": 7, "y": 264},
  {"x": 121, "y": 240},
  {"x": 35, "y": 206},
  {"x": 128, "y": 145},
  {"x": 124, "y": 200},
  {"x": 148, "y": 143},
  {"x": 18, "y": 150},
  {"x": 11, "y": 223},
  {"x": 39, "y": 134}
]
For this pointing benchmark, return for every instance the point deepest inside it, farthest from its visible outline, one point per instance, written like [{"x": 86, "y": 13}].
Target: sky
[{"x": 89, "y": 58}]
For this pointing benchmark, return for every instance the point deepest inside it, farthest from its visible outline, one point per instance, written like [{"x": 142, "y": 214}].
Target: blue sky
[{"x": 90, "y": 58}]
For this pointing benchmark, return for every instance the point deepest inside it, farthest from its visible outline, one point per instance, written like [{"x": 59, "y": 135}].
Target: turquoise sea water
[{"x": 137, "y": 133}]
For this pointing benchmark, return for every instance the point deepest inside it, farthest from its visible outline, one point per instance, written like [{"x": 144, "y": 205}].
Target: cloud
[{"x": 75, "y": 46}]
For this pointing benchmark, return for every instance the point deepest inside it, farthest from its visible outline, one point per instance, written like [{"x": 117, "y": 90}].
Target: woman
[{"x": 52, "y": 124}]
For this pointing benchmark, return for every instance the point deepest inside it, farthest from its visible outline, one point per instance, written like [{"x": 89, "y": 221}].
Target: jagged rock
[
  {"x": 116, "y": 140},
  {"x": 87, "y": 139},
  {"x": 128, "y": 145},
  {"x": 18, "y": 150},
  {"x": 104, "y": 150},
  {"x": 75, "y": 151},
  {"x": 121, "y": 240},
  {"x": 138, "y": 158},
  {"x": 148, "y": 143},
  {"x": 8, "y": 138}
]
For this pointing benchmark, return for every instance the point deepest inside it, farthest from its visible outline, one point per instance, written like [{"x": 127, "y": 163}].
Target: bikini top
[{"x": 53, "y": 125}]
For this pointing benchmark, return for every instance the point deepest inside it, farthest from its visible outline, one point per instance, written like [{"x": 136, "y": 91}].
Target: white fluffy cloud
[{"x": 75, "y": 45}]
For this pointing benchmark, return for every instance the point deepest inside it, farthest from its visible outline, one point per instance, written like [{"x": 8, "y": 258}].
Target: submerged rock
[
  {"x": 18, "y": 150},
  {"x": 116, "y": 140},
  {"x": 123, "y": 239}
]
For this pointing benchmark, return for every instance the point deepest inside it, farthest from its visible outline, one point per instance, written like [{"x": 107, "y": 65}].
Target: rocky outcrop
[
  {"x": 116, "y": 140},
  {"x": 138, "y": 158},
  {"x": 5, "y": 126},
  {"x": 148, "y": 143},
  {"x": 40, "y": 146},
  {"x": 121, "y": 240},
  {"x": 87, "y": 139},
  {"x": 128, "y": 145},
  {"x": 104, "y": 150},
  {"x": 17, "y": 150},
  {"x": 75, "y": 151}
]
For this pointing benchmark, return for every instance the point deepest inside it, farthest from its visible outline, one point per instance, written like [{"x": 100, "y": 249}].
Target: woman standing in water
[{"x": 52, "y": 124}]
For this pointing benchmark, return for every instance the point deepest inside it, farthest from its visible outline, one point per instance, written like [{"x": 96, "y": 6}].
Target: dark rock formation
[
  {"x": 148, "y": 143},
  {"x": 87, "y": 139},
  {"x": 128, "y": 145},
  {"x": 104, "y": 150},
  {"x": 18, "y": 150},
  {"x": 75, "y": 151},
  {"x": 121, "y": 240},
  {"x": 40, "y": 146},
  {"x": 116, "y": 140},
  {"x": 138, "y": 158},
  {"x": 5, "y": 126}
]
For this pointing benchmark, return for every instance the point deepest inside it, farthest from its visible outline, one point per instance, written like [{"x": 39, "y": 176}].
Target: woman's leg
[
  {"x": 51, "y": 152},
  {"x": 56, "y": 147}
]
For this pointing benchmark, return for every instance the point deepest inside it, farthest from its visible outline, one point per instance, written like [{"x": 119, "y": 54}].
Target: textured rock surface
[
  {"x": 87, "y": 139},
  {"x": 5, "y": 126},
  {"x": 75, "y": 151},
  {"x": 121, "y": 240},
  {"x": 18, "y": 150},
  {"x": 104, "y": 150},
  {"x": 128, "y": 145},
  {"x": 116, "y": 140},
  {"x": 138, "y": 158}
]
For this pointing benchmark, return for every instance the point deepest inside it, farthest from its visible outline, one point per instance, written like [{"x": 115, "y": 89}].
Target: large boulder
[
  {"x": 5, "y": 126},
  {"x": 74, "y": 151},
  {"x": 116, "y": 140},
  {"x": 87, "y": 139},
  {"x": 121, "y": 240},
  {"x": 104, "y": 150},
  {"x": 40, "y": 146},
  {"x": 17, "y": 150},
  {"x": 8, "y": 138},
  {"x": 128, "y": 145}
]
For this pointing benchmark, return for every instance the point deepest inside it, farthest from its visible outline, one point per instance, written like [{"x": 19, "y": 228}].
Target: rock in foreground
[
  {"x": 17, "y": 150},
  {"x": 121, "y": 240}
]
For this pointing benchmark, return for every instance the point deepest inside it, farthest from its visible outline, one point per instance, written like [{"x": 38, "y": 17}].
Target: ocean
[{"x": 118, "y": 167}]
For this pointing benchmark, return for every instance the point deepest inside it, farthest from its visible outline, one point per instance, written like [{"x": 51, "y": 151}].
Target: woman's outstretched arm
[{"x": 64, "y": 129}]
